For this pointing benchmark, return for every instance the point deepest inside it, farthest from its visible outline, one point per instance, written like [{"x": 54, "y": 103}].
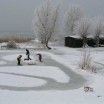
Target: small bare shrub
[
  {"x": 11, "y": 44},
  {"x": 86, "y": 60}
]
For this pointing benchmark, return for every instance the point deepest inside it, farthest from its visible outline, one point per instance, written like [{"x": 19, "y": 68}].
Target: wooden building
[{"x": 77, "y": 42}]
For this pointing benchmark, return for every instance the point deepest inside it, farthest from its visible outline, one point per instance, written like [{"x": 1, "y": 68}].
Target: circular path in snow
[{"x": 76, "y": 80}]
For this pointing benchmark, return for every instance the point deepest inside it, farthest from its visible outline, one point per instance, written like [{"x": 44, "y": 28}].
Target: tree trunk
[{"x": 48, "y": 46}]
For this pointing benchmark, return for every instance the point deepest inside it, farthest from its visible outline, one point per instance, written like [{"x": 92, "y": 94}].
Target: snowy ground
[{"x": 57, "y": 80}]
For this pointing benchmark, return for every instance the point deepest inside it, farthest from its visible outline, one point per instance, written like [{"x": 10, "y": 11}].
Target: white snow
[
  {"x": 70, "y": 57},
  {"x": 40, "y": 71},
  {"x": 19, "y": 81},
  {"x": 2, "y": 62}
]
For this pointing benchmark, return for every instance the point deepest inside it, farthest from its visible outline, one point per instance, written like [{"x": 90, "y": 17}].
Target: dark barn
[
  {"x": 102, "y": 41},
  {"x": 78, "y": 42},
  {"x": 73, "y": 42}
]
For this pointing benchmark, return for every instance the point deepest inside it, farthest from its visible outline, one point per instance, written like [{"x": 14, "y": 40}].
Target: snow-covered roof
[
  {"x": 89, "y": 36},
  {"x": 75, "y": 36}
]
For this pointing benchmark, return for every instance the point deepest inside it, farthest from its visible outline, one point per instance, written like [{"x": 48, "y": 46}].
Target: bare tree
[
  {"x": 83, "y": 29},
  {"x": 44, "y": 22},
  {"x": 97, "y": 27},
  {"x": 72, "y": 16}
]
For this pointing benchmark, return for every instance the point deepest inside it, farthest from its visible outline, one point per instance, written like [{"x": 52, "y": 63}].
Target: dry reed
[{"x": 16, "y": 38}]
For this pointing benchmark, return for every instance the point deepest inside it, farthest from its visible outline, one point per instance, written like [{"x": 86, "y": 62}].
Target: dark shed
[{"x": 78, "y": 42}]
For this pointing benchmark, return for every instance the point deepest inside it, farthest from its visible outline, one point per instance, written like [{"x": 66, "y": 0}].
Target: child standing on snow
[
  {"x": 40, "y": 57},
  {"x": 28, "y": 55},
  {"x": 19, "y": 59}
]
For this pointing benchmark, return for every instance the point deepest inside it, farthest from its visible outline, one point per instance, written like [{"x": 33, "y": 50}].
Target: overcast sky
[{"x": 16, "y": 15}]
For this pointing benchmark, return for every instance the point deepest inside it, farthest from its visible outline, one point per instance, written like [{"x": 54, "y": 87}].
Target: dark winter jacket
[{"x": 27, "y": 52}]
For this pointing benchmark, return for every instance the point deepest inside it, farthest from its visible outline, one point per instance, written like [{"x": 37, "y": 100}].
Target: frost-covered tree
[
  {"x": 98, "y": 29},
  {"x": 72, "y": 16},
  {"x": 83, "y": 29},
  {"x": 44, "y": 22},
  {"x": 11, "y": 44}
]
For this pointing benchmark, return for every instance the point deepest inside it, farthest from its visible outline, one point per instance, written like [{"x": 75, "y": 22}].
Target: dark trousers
[
  {"x": 18, "y": 62},
  {"x": 28, "y": 57},
  {"x": 40, "y": 58}
]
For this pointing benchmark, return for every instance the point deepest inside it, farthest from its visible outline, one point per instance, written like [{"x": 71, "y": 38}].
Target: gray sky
[{"x": 16, "y": 15}]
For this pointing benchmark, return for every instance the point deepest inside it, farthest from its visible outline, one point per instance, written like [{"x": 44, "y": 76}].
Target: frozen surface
[{"x": 48, "y": 82}]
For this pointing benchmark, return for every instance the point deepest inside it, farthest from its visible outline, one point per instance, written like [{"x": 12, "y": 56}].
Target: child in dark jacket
[
  {"x": 40, "y": 57},
  {"x": 28, "y": 55}
]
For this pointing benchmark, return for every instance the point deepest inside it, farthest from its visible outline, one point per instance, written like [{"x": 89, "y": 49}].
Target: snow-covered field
[{"x": 36, "y": 84}]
